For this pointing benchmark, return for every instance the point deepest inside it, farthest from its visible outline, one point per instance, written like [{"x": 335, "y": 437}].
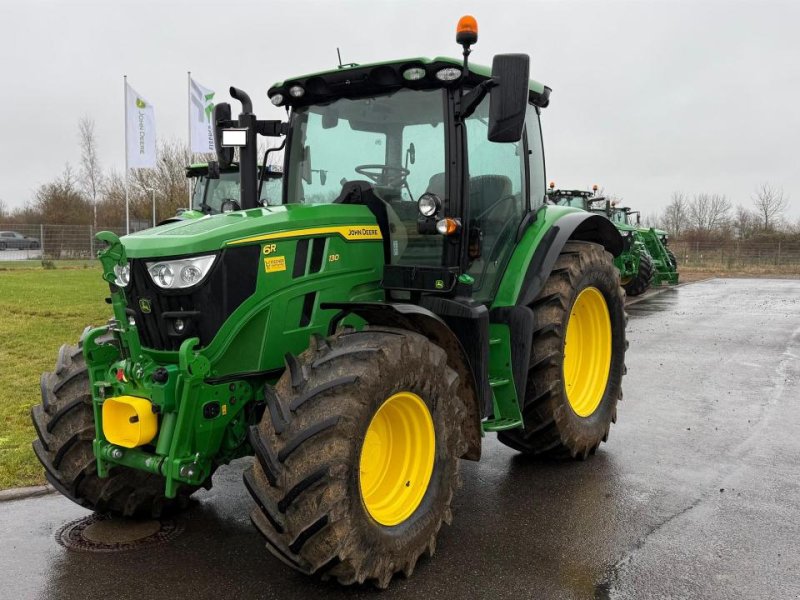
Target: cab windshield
[
  {"x": 574, "y": 201},
  {"x": 396, "y": 143}
]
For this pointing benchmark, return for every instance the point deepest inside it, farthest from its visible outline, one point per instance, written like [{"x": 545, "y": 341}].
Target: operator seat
[
  {"x": 485, "y": 191},
  {"x": 436, "y": 185}
]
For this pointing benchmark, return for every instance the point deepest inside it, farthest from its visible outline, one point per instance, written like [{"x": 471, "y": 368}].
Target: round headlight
[
  {"x": 296, "y": 91},
  {"x": 414, "y": 74},
  {"x": 163, "y": 275},
  {"x": 180, "y": 273},
  {"x": 448, "y": 74},
  {"x": 190, "y": 275},
  {"x": 429, "y": 204},
  {"x": 123, "y": 274},
  {"x": 277, "y": 99}
]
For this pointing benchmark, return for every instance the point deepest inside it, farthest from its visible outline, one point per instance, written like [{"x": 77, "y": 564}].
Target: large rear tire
[
  {"x": 64, "y": 424},
  {"x": 643, "y": 279},
  {"x": 578, "y": 357},
  {"x": 335, "y": 497}
]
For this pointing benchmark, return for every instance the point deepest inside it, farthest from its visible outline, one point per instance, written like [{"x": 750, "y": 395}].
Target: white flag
[
  {"x": 201, "y": 109},
  {"x": 141, "y": 131}
]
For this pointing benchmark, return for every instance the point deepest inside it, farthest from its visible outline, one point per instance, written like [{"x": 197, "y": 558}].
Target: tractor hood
[{"x": 215, "y": 232}]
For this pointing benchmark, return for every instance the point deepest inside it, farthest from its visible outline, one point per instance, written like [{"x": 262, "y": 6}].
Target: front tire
[
  {"x": 577, "y": 359},
  {"x": 643, "y": 279},
  {"x": 673, "y": 260},
  {"x": 331, "y": 499},
  {"x": 64, "y": 424}
]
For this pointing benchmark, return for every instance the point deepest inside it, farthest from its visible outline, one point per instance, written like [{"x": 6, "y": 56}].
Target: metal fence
[
  {"x": 64, "y": 242},
  {"x": 50, "y": 242},
  {"x": 738, "y": 254}
]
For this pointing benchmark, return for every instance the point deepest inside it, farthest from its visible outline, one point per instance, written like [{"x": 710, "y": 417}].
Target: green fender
[{"x": 539, "y": 247}]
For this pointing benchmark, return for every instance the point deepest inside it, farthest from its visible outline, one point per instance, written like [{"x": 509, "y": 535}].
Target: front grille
[{"x": 203, "y": 309}]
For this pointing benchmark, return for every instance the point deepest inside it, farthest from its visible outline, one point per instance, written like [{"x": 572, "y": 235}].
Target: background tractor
[
  {"x": 635, "y": 263},
  {"x": 216, "y": 190},
  {"x": 361, "y": 337},
  {"x": 664, "y": 262}
]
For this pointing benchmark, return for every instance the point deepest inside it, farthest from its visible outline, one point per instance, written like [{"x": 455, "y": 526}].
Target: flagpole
[
  {"x": 189, "y": 131},
  {"x": 127, "y": 170}
]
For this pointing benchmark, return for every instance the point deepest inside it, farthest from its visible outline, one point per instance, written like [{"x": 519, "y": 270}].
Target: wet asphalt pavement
[{"x": 696, "y": 494}]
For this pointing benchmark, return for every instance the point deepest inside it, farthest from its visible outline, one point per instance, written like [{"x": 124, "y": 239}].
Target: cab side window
[
  {"x": 498, "y": 201},
  {"x": 535, "y": 157}
]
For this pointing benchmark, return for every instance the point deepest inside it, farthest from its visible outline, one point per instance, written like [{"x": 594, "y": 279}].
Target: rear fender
[{"x": 420, "y": 320}]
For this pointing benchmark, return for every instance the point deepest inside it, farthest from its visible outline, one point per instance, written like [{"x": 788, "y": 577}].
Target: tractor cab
[
  {"x": 215, "y": 190},
  {"x": 574, "y": 198},
  {"x": 446, "y": 155}
]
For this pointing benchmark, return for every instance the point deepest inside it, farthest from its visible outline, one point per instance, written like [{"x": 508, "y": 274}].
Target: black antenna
[{"x": 344, "y": 65}]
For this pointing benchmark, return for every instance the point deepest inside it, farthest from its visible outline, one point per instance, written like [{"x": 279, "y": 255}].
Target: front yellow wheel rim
[
  {"x": 397, "y": 458},
  {"x": 587, "y": 352}
]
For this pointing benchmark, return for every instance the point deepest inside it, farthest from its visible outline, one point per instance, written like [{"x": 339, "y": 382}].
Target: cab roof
[{"x": 354, "y": 81}]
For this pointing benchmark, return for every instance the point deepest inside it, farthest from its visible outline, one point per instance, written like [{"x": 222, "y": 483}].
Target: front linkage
[{"x": 162, "y": 418}]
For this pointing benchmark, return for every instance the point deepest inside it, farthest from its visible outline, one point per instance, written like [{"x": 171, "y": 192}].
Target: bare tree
[
  {"x": 91, "y": 173},
  {"x": 770, "y": 203},
  {"x": 61, "y": 202},
  {"x": 745, "y": 222},
  {"x": 709, "y": 212},
  {"x": 167, "y": 180},
  {"x": 3, "y": 210},
  {"x": 675, "y": 214}
]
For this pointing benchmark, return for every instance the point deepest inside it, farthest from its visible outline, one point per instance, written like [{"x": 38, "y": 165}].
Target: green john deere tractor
[
  {"x": 361, "y": 337},
  {"x": 216, "y": 189},
  {"x": 664, "y": 263},
  {"x": 634, "y": 263}
]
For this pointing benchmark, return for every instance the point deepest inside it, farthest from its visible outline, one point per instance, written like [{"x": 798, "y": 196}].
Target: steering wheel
[{"x": 384, "y": 175}]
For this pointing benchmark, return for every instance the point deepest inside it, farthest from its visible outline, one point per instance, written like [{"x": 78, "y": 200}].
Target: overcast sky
[{"x": 648, "y": 97}]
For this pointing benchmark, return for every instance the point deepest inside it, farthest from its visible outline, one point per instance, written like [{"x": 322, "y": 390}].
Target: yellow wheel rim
[
  {"x": 397, "y": 458},
  {"x": 587, "y": 352}
]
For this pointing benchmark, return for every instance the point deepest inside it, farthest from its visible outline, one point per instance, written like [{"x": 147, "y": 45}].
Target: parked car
[{"x": 12, "y": 239}]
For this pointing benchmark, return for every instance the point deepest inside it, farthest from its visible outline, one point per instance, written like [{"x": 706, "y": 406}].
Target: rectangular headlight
[{"x": 180, "y": 273}]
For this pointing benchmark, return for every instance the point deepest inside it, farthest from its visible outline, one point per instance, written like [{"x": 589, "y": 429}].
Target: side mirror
[
  {"x": 222, "y": 112},
  {"x": 508, "y": 100}
]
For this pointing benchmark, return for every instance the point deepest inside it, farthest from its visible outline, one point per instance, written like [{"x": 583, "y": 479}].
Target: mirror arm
[
  {"x": 471, "y": 100},
  {"x": 272, "y": 128}
]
